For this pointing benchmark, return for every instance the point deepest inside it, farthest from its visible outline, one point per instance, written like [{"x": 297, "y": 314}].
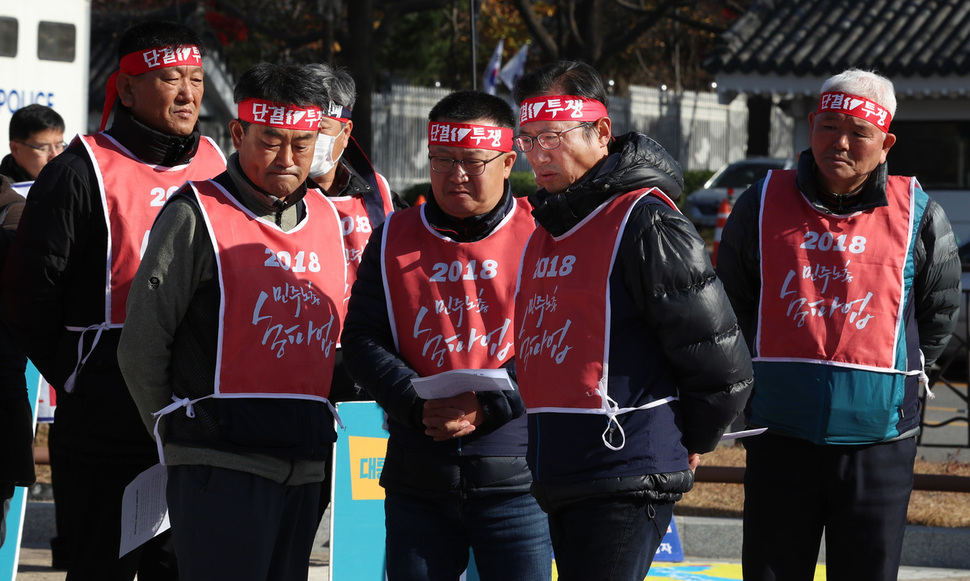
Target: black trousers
[
  {"x": 6, "y": 493},
  {"x": 793, "y": 490},
  {"x": 233, "y": 525},
  {"x": 87, "y": 497}
]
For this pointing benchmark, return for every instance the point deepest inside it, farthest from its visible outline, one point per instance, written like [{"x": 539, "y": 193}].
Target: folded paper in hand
[{"x": 458, "y": 381}]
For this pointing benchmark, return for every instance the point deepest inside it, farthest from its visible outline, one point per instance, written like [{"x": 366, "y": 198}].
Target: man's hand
[
  {"x": 693, "y": 461},
  {"x": 452, "y": 417}
]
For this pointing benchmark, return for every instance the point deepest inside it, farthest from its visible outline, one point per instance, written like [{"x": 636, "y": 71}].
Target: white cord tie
[
  {"x": 82, "y": 357},
  {"x": 177, "y": 402},
  {"x": 612, "y": 411}
]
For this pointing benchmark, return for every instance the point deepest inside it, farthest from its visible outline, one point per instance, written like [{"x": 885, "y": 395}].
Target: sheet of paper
[
  {"x": 144, "y": 509},
  {"x": 457, "y": 381},
  {"x": 742, "y": 434}
]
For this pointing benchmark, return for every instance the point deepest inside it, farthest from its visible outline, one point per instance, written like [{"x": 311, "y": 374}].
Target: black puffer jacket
[
  {"x": 55, "y": 276},
  {"x": 488, "y": 461},
  {"x": 672, "y": 333}
]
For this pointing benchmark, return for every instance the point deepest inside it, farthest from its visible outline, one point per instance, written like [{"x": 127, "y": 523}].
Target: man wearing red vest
[
  {"x": 343, "y": 172},
  {"x": 66, "y": 285},
  {"x": 846, "y": 281},
  {"x": 629, "y": 359},
  {"x": 434, "y": 294},
  {"x": 362, "y": 196},
  {"x": 232, "y": 327}
]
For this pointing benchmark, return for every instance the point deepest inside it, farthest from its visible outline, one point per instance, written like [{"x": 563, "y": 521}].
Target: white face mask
[{"x": 323, "y": 160}]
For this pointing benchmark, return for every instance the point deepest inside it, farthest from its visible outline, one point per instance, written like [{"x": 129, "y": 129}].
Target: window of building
[
  {"x": 56, "y": 41},
  {"x": 936, "y": 152},
  {"x": 8, "y": 36}
]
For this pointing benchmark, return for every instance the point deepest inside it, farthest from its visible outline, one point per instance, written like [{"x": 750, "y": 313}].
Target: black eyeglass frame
[{"x": 520, "y": 139}]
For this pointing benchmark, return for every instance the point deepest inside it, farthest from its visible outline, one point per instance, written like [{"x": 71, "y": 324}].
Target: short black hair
[
  {"x": 155, "y": 33},
  {"x": 471, "y": 105},
  {"x": 563, "y": 78},
  {"x": 288, "y": 84},
  {"x": 33, "y": 118}
]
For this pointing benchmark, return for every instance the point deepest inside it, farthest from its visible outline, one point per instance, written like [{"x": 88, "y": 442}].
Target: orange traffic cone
[{"x": 723, "y": 211}]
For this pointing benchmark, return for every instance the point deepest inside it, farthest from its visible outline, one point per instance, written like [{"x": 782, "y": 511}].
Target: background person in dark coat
[
  {"x": 36, "y": 137},
  {"x": 16, "y": 421}
]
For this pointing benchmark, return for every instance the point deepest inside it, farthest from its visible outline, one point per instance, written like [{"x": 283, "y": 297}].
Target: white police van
[{"x": 44, "y": 56}]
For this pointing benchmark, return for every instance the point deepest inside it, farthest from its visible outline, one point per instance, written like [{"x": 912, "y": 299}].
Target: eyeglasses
[
  {"x": 48, "y": 148},
  {"x": 546, "y": 139},
  {"x": 471, "y": 167}
]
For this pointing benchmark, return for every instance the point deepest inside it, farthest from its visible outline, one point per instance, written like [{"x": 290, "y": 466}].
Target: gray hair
[
  {"x": 864, "y": 84},
  {"x": 337, "y": 84}
]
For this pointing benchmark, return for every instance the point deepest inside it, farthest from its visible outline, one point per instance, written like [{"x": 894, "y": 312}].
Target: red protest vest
[
  {"x": 132, "y": 193},
  {"x": 832, "y": 285},
  {"x": 562, "y": 310},
  {"x": 281, "y": 291},
  {"x": 356, "y": 226},
  {"x": 450, "y": 303}
]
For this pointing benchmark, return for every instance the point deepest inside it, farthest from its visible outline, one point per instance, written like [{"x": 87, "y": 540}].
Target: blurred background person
[{"x": 36, "y": 136}]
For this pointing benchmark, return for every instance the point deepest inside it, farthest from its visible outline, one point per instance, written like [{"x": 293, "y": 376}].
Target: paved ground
[
  {"x": 35, "y": 566},
  {"x": 951, "y": 440}
]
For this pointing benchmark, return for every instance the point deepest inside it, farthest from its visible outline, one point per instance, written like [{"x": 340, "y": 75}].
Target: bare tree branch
[{"x": 617, "y": 43}]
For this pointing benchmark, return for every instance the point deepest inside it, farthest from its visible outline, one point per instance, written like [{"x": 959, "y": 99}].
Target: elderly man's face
[
  {"x": 846, "y": 149},
  {"x": 557, "y": 169},
  {"x": 167, "y": 99},
  {"x": 275, "y": 160}
]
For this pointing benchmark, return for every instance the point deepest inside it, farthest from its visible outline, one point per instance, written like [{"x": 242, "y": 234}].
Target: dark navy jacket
[
  {"x": 672, "y": 333},
  {"x": 491, "y": 460}
]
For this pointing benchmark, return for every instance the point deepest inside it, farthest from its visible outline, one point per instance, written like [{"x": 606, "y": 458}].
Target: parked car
[{"x": 701, "y": 206}]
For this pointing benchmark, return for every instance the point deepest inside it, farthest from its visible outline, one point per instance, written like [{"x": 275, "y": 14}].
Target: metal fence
[{"x": 693, "y": 127}]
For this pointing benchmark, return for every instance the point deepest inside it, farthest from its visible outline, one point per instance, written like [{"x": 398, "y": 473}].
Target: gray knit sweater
[{"x": 178, "y": 260}]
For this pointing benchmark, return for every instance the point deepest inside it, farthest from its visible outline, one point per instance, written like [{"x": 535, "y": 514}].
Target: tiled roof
[{"x": 818, "y": 38}]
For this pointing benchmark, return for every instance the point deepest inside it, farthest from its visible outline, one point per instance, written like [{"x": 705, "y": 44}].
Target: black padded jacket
[
  {"x": 672, "y": 332},
  {"x": 491, "y": 460}
]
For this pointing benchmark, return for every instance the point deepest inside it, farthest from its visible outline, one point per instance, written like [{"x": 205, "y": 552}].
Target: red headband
[
  {"x": 561, "y": 108},
  {"x": 856, "y": 106},
  {"x": 470, "y": 136},
  {"x": 279, "y": 115},
  {"x": 142, "y": 61}
]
